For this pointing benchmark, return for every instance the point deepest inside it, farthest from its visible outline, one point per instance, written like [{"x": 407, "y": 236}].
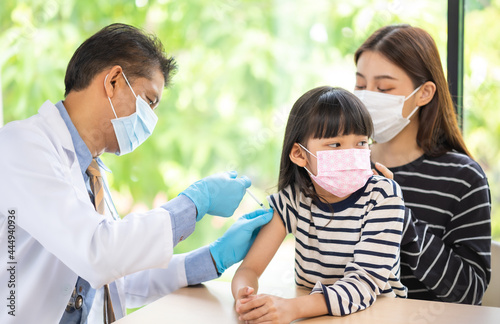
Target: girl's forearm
[
  {"x": 308, "y": 306},
  {"x": 242, "y": 278}
]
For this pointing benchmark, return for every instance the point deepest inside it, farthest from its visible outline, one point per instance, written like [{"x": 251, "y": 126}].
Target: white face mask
[{"x": 386, "y": 111}]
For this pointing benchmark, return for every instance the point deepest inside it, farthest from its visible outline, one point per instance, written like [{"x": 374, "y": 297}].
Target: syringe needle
[{"x": 255, "y": 198}]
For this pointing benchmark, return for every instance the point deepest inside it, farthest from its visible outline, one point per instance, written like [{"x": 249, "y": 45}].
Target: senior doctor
[{"x": 73, "y": 262}]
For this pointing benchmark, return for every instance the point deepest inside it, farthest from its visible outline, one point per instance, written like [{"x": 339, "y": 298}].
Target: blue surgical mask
[{"x": 131, "y": 131}]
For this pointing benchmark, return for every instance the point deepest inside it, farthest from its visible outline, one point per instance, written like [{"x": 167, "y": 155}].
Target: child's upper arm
[{"x": 265, "y": 246}]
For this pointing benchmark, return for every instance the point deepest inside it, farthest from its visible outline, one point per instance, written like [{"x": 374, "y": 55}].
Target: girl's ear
[{"x": 298, "y": 155}]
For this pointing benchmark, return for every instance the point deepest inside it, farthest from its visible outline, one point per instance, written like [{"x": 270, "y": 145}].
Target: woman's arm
[{"x": 456, "y": 266}]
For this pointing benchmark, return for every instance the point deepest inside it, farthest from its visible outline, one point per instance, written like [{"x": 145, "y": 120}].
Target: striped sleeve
[
  {"x": 374, "y": 269},
  {"x": 285, "y": 203}
]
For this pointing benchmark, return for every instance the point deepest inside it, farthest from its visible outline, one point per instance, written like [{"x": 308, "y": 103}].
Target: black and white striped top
[
  {"x": 449, "y": 199},
  {"x": 352, "y": 254}
]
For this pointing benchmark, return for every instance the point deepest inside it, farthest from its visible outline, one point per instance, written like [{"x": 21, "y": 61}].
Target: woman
[{"x": 446, "y": 246}]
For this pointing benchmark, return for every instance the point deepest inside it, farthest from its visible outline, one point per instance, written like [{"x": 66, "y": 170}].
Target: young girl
[{"x": 347, "y": 222}]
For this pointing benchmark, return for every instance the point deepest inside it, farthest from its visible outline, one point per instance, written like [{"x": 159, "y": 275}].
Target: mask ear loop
[
  {"x": 413, "y": 112},
  {"x": 307, "y": 150},
  {"x": 109, "y": 97},
  {"x": 318, "y": 197},
  {"x": 411, "y": 94},
  {"x": 128, "y": 84},
  {"x": 310, "y": 173}
]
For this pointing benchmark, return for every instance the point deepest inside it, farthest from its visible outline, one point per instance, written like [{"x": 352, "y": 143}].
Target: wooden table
[{"x": 212, "y": 302}]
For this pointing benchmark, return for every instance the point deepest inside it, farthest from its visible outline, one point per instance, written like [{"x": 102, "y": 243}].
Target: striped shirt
[
  {"x": 349, "y": 250},
  {"x": 448, "y": 254}
]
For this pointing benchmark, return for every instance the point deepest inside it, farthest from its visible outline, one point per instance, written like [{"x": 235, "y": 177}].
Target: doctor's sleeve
[
  {"x": 182, "y": 212},
  {"x": 191, "y": 268},
  {"x": 199, "y": 264}
]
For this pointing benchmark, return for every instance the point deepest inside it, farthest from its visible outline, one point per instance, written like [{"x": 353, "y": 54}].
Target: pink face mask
[{"x": 342, "y": 172}]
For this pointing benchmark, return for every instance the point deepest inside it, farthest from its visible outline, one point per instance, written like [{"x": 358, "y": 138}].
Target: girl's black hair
[{"x": 322, "y": 112}]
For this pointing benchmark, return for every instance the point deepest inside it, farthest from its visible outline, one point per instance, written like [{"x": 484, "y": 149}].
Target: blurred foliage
[
  {"x": 482, "y": 94},
  {"x": 242, "y": 64}
]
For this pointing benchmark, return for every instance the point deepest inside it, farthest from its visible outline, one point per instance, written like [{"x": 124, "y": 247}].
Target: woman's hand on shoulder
[
  {"x": 264, "y": 309},
  {"x": 383, "y": 170}
]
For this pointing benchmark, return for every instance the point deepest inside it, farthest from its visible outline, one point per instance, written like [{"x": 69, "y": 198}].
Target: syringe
[{"x": 255, "y": 198}]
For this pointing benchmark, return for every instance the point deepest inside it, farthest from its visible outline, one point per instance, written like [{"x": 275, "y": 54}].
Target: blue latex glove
[
  {"x": 219, "y": 194},
  {"x": 233, "y": 246}
]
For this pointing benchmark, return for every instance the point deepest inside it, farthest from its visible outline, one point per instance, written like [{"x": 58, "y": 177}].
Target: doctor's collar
[{"x": 102, "y": 165}]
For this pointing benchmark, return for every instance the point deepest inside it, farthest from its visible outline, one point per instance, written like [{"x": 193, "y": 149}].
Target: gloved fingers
[
  {"x": 257, "y": 213},
  {"x": 232, "y": 174},
  {"x": 259, "y": 220},
  {"x": 245, "y": 181}
]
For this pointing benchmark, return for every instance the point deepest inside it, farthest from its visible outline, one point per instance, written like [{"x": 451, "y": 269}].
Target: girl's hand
[
  {"x": 243, "y": 293},
  {"x": 265, "y": 309},
  {"x": 384, "y": 170}
]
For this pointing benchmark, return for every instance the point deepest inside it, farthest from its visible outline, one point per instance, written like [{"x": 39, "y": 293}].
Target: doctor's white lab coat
[{"x": 59, "y": 235}]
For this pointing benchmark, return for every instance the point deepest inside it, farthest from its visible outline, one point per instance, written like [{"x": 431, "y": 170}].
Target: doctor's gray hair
[{"x": 138, "y": 53}]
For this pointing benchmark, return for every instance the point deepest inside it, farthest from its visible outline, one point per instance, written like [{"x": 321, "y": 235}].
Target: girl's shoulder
[
  {"x": 381, "y": 185},
  {"x": 289, "y": 197}
]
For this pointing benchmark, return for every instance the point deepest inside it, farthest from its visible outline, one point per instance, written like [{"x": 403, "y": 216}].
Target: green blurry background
[{"x": 242, "y": 64}]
